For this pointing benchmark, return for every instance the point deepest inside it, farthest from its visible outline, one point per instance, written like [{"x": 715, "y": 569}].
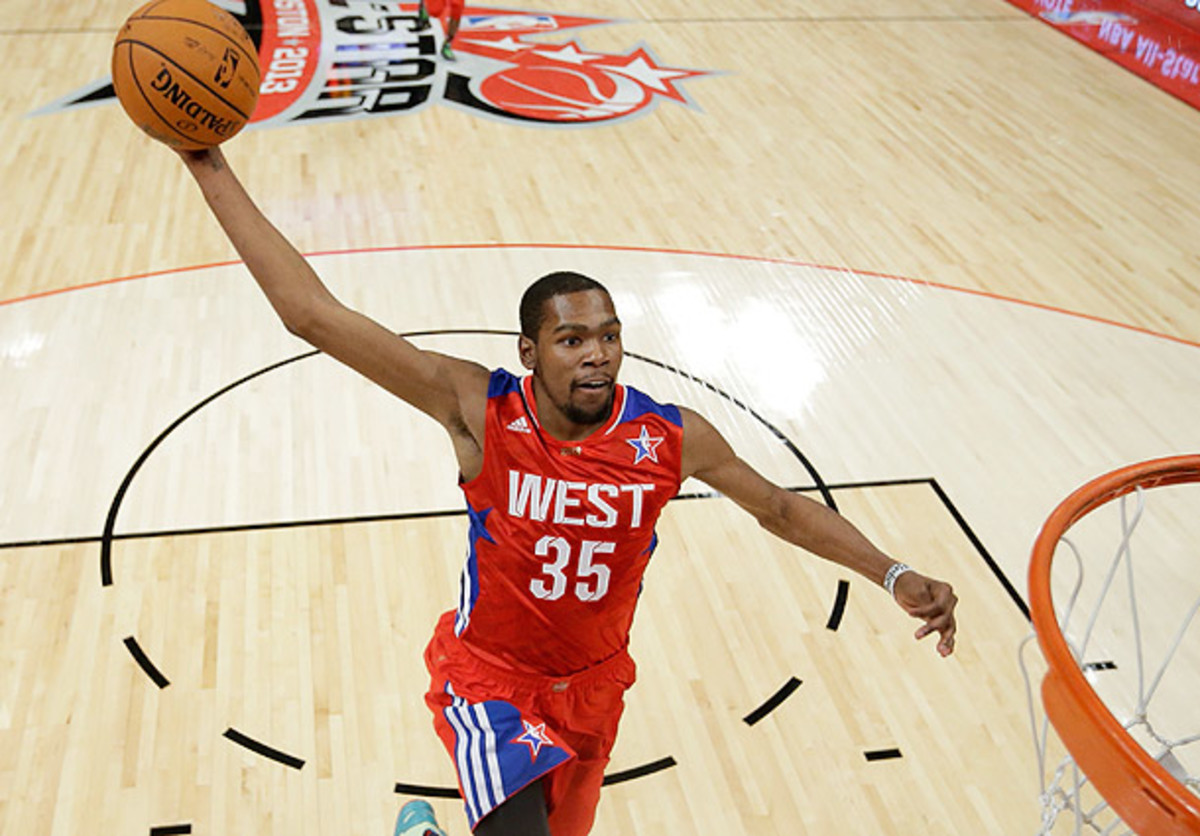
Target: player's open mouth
[{"x": 594, "y": 385}]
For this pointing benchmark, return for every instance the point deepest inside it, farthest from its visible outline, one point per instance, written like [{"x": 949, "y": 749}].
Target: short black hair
[{"x": 558, "y": 283}]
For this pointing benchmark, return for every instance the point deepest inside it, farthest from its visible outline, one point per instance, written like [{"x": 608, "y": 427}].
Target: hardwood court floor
[{"x": 909, "y": 147}]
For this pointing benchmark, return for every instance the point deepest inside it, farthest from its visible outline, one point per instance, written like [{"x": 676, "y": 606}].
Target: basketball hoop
[{"x": 1148, "y": 793}]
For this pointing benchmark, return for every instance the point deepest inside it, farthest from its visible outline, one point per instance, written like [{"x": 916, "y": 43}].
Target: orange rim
[{"x": 1139, "y": 789}]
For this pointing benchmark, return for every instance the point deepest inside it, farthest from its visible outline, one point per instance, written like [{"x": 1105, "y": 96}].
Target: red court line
[
  {"x": 118, "y": 280},
  {"x": 634, "y": 249}
]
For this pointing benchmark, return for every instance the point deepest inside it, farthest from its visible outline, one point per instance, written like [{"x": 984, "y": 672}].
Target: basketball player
[
  {"x": 437, "y": 8},
  {"x": 565, "y": 472}
]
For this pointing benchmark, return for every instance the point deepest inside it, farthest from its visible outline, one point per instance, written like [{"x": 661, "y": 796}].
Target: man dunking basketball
[{"x": 565, "y": 472}]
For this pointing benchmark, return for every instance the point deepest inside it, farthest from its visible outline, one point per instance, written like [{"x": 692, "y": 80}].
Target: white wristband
[{"x": 889, "y": 580}]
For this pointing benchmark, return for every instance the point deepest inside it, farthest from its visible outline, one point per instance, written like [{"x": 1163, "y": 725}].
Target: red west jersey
[{"x": 561, "y": 532}]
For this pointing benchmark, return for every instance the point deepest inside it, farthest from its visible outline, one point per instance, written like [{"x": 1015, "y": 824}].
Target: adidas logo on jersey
[{"x": 521, "y": 425}]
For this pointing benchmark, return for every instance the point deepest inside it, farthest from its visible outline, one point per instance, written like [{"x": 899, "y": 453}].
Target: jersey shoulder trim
[
  {"x": 502, "y": 382},
  {"x": 638, "y": 403}
]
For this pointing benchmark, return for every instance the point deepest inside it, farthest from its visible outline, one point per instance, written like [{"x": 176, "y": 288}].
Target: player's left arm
[{"x": 811, "y": 526}]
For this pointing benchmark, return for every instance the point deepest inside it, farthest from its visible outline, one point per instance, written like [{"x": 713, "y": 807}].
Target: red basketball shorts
[
  {"x": 437, "y": 7},
  {"x": 505, "y": 729}
]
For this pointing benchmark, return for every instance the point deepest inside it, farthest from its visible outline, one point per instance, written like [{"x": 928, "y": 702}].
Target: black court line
[
  {"x": 773, "y": 702},
  {"x": 883, "y": 755},
  {"x": 106, "y": 541},
  {"x": 839, "y": 606},
  {"x": 263, "y": 749},
  {"x": 145, "y": 664},
  {"x": 82, "y": 540},
  {"x": 106, "y": 571},
  {"x": 880, "y": 483},
  {"x": 110, "y": 521},
  {"x": 284, "y": 524},
  {"x": 958, "y": 518},
  {"x": 427, "y": 792},
  {"x": 171, "y": 830},
  {"x": 398, "y": 516},
  {"x": 242, "y": 528},
  {"x": 981, "y": 549},
  {"x": 639, "y": 771}
]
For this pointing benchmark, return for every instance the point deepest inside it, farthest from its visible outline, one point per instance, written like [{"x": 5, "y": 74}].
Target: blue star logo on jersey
[
  {"x": 478, "y": 525},
  {"x": 534, "y": 737},
  {"x": 645, "y": 445}
]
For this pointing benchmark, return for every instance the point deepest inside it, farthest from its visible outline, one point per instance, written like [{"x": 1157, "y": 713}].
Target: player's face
[{"x": 577, "y": 356}]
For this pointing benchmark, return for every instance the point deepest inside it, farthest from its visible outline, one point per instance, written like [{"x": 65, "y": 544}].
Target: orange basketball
[{"x": 186, "y": 72}]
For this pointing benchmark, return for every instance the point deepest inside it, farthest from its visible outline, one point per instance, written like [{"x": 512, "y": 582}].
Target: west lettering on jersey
[{"x": 597, "y": 504}]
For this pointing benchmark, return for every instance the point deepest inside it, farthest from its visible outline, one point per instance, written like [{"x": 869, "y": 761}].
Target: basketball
[{"x": 186, "y": 72}]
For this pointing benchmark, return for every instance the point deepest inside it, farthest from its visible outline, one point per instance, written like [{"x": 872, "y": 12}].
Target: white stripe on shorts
[
  {"x": 475, "y": 756},
  {"x": 460, "y": 759}
]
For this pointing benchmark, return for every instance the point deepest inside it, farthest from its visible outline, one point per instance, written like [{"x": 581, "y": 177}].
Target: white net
[{"x": 1128, "y": 623}]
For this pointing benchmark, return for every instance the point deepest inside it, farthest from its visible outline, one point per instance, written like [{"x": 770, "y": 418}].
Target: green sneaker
[
  {"x": 416, "y": 819},
  {"x": 448, "y": 52},
  {"x": 422, "y": 18}
]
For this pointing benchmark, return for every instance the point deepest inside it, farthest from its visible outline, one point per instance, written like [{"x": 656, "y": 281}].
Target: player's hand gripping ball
[{"x": 186, "y": 72}]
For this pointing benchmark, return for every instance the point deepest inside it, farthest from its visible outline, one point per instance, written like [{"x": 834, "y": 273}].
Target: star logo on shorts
[
  {"x": 645, "y": 445},
  {"x": 534, "y": 737}
]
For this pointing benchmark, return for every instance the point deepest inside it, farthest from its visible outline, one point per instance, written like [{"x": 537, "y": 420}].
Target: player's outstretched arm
[
  {"x": 452, "y": 391},
  {"x": 810, "y": 525}
]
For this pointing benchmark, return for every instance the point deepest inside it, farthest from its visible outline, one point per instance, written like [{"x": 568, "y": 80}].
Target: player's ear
[{"x": 527, "y": 349}]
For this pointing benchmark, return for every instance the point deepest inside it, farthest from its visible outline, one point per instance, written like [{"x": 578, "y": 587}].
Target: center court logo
[{"x": 351, "y": 59}]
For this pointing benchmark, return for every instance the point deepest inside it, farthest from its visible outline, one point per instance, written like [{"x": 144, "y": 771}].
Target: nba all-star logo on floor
[{"x": 346, "y": 59}]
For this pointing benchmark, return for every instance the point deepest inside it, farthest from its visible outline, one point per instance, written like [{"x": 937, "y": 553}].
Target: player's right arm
[{"x": 452, "y": 391}]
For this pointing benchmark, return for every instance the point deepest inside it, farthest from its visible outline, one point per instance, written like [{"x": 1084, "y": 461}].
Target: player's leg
[
  {"x": 427, "y": 9},
  {"x": 573, "y": 791},
  {"x": 524, "y": 814},
  {"x": 456, "y": 12}
]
